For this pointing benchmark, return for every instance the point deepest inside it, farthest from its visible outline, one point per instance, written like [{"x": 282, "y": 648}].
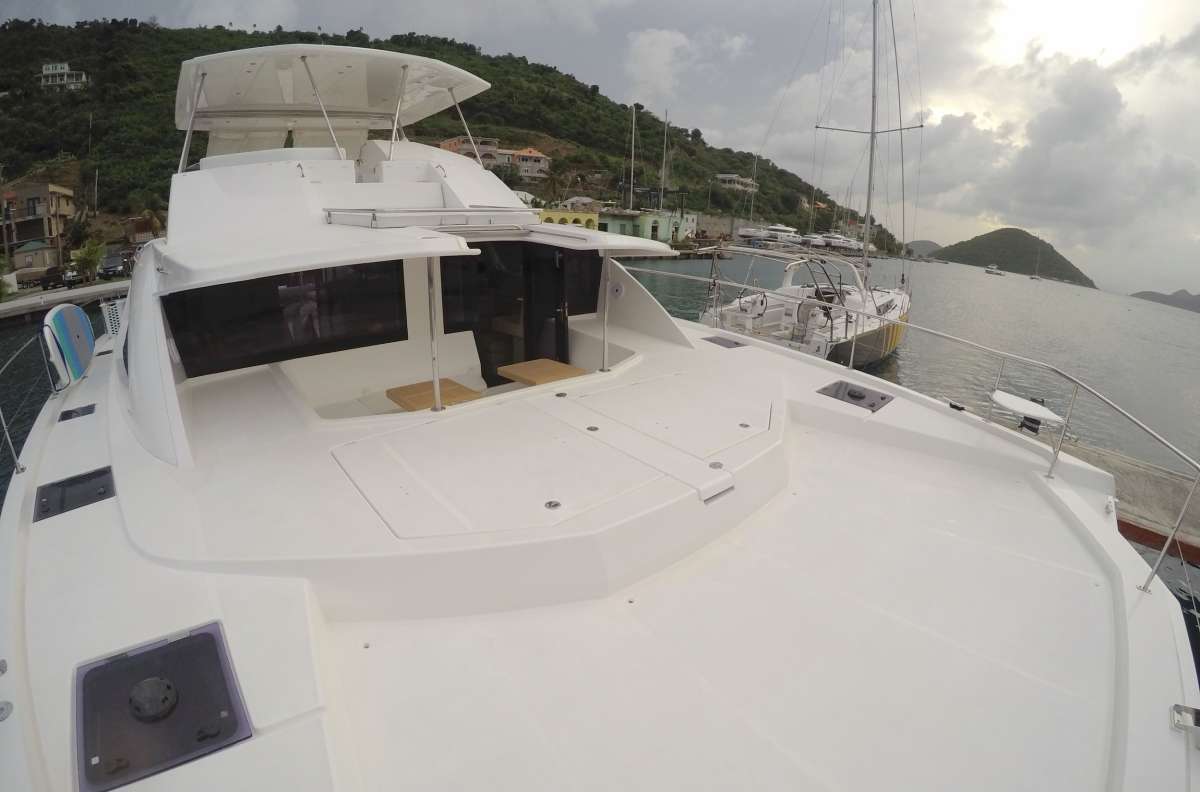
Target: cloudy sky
[{"x": 1073, "y": 119}]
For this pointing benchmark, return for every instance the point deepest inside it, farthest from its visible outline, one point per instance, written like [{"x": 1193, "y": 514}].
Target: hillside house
[
  {"x": 60, "y": 75},
  {"x": 733, "y": 181}
]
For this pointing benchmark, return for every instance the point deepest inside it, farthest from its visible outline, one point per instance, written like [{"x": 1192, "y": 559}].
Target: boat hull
[{"x": 870, "y": 347}]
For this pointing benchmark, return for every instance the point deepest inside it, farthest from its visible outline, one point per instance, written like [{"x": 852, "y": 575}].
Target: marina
[
  {"x": 528, "y": 459},
  {"x": 382, "y": 473},
  {"x": 31, "y": 307}
]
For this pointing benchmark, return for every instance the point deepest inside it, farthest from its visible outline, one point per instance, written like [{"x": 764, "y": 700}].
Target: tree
[
  {"x": 507, "y": 174},
  {"x": 89, "y": 258},
  {"x": 558, "y": 177},
  {"x": 77, "y": 232},
  {"x": 155, "y": 219}
]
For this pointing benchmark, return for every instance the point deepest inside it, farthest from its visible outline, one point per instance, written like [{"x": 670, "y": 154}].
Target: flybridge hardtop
[
  {"x": 276, "y": 88},
  {"x": 374, "y": 483},
  {"x": 252, "y": 208}
]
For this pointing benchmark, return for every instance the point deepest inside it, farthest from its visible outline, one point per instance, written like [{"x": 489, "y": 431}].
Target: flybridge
[{"x": 248, "y": 100}]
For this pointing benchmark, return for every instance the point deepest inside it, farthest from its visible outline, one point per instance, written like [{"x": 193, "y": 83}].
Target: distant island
[
  {"x": 923, "y": 247},
  {"x": 1180, "y": 299},
  {"x": 1014, "y": 250}
]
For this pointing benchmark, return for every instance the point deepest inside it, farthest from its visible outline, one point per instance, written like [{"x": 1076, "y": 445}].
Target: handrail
[
  {"x": 18, "y": 351},
  {"x": 1078, "y": 383},
  {"x": 17, "y": 466}
]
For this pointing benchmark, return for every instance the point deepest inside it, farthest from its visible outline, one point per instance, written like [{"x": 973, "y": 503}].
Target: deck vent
[
  {"x": 728, "y": 343},
  {"x": 858, "y": 395},
  {"x": 76, "y": 412},
  {"x": 156, "y": 707},
  {"x": 111, "y": 310},
  {"x": 72, "y": 493}
]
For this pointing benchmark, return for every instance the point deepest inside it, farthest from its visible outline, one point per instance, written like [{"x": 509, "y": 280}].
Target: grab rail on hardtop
[{"x": 1077, "y": 384}]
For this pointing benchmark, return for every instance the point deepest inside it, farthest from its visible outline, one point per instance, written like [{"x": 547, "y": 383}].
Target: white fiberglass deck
[
  {"x": 804, "y": 650},
  {"x": 914, "y": 607}
]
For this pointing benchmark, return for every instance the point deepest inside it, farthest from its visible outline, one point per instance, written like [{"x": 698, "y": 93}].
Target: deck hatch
[
  {"x": 156, "y": 707},
  {"x": 71, "y": 493},
  {"x": 858, "y": 395},
  {"x": 76, "y": 412},
  {"x": 722, "y": 341}
]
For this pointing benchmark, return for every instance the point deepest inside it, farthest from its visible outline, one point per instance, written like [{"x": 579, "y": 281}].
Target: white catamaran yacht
[{"x": 382, "y": 484}]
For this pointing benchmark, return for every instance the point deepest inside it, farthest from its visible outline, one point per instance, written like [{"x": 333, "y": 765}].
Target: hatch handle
[{"x": 1187, "y": 719}]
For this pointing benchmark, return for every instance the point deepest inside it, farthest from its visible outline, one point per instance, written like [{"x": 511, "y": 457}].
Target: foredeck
[
  {"x": 898, "y": 599},
  {"x": 847, "y": 637}
]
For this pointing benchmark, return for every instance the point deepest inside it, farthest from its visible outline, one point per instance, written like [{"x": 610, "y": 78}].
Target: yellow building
[{"x": 568, "y": 217}]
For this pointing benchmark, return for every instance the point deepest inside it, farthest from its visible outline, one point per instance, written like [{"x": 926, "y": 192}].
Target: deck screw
[
  {"x": 593, "y": 428},
  {"x": 3, "y": 667},
  {"x": 560, "y": 394},
  {"x": 5, "y": 710},
  {"x": 744, "y": 425},
  {"x": 552, "y": 504},
  {"x": 715, "y": 465}
]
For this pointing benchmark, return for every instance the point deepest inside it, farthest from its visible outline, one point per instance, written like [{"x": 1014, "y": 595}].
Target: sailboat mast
[
  {"x": 632, "y": 149},
  {"x": 871, "y": 136},
  {"x": 899, "y": 123},
  {"x": 662, "y": 179},
  {"x": 753, "y": 187}
]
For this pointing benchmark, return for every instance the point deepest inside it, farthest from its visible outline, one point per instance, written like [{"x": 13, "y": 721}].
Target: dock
[
  {"x": 1149, "y": 499},
  {"x": 39, "y": 302}
]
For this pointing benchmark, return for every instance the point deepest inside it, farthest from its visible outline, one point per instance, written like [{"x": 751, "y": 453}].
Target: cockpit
[{"x": 355, "y": 340}]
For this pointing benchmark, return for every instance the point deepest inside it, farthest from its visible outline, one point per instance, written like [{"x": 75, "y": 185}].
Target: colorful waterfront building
[{"x": 570, "y": 217}]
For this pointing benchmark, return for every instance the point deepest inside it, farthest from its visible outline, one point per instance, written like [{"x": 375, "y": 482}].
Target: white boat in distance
[
  {"x": 771, "y": 233},
  {"x": 382, "y": 484}
]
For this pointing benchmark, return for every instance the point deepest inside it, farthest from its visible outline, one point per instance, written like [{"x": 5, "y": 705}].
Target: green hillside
[
  {"x": 132, "y": 139},
  {"x": 1014, "y": 250}
]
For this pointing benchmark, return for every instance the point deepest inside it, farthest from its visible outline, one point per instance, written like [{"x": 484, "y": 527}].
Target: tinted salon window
[
  {"x": 516, "y": 298},
  {"x": 264, "y": 320}
]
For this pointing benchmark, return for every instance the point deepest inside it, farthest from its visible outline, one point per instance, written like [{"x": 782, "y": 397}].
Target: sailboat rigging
[{"x": 838, "y": 330}]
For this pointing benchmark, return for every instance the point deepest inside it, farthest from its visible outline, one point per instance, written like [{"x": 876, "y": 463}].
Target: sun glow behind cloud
[{"x": 1104, "y": 32}]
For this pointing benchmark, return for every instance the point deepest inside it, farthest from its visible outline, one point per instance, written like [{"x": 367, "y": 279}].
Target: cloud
[
  {"x": 733, "y": 45},
  {"x": 655, "y": 61},
  {"x": 1083, "y": 171},
  {"x": 1144, "y": 59}
]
